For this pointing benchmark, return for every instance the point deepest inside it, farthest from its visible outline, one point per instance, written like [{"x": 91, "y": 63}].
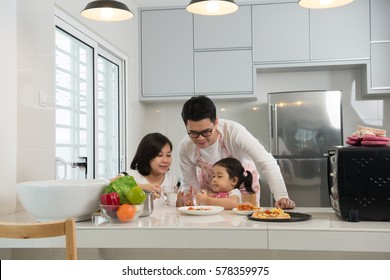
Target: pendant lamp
[
  {"x": 323, "y": 4},
  {"x": 107, "y": 10},
  {"x": 212, "y": 7}
]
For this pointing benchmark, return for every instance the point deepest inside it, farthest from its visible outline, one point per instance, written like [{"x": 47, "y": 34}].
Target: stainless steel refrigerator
[{"x": 303, "y": 126}]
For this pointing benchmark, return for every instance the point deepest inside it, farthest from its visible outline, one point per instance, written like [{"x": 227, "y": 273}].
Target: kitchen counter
[{"x": 166, "y": 228}]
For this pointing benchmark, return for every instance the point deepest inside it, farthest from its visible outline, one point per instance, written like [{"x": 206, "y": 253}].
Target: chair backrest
[{"x": 65, "y": 228}]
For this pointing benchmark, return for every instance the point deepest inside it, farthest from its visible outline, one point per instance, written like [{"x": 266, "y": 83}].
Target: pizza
[
  {"x": 247, "y": 207},
  {"x": 198, "y": 209},
  {"x": 274, "y": 213}
]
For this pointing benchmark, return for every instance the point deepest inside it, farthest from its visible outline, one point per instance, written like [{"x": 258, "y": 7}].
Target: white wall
[
  {"x": 36, "y": 124},
  {"x": 36, "y": 72},
  {"x": 8, "y": 95}
]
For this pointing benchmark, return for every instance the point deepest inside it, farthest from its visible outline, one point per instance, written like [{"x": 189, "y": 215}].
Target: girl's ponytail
[{"x": 247, "y": 180}]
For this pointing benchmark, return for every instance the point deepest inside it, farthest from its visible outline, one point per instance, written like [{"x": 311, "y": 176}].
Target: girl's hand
[
  {"x": 185, "y": 198},
  {"x": 285, "y": 203},
  {"x": 201, "y": 197}
]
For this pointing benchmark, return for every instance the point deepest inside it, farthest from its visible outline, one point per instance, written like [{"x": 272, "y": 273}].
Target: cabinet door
[
  {"x": 223, "y": 72},
  {"x": 380, "y": 66},
  {"x": 228, "y": 31},
  {"x": 380, "y": 20},
  {"x": 379, "y": 75},
  {"x": 167, "y": 53},
  {"x": 280, "y": 33},
  {"x": 341, "y": 33}
]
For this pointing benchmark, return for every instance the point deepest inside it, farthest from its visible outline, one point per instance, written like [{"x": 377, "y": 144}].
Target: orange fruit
[{"x": 126, "y": 212}]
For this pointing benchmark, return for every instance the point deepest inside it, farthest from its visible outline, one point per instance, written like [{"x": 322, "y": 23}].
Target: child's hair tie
[{"x": 245, "y": 174}]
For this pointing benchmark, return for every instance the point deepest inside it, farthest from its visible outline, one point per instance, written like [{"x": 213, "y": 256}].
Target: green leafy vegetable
[{"x": 122, "y": 185}]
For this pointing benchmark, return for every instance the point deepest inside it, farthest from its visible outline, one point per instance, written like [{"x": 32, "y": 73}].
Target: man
[{"x": 210, "y": 139}]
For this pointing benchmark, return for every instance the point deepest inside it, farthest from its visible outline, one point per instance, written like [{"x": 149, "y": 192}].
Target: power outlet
[{"x": 42, "y": 98}]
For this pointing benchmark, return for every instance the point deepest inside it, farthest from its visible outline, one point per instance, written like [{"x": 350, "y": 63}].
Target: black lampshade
[{"x": 107, "y": 10}]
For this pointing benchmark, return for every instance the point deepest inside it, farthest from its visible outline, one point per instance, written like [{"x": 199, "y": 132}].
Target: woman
[{"x": 150, "y": 166}]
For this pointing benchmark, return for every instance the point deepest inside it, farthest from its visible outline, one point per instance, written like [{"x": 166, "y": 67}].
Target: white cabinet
[
  {"x": 341, "y": 33},
  {"x": 167, "y": 53},
  {"x": 223, "y": 72},
  {"x": 184, "y": 54},
  {"x": 223, "y": 54},
  {"x": 228, "y": 31},
  {"x": 180, "y": 57},
  {"x": 380, "y": 20},
  {"x": 287, "y": 33},
  {"x": 380, "y": 66},
  {"x": 280, "y": 33},
  {"x": 379, "y": 70}
]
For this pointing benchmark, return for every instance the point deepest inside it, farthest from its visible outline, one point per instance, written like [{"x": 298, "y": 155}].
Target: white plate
[
  {"x": 244, "y": 212},
  {"x": 200, "y": 210}
]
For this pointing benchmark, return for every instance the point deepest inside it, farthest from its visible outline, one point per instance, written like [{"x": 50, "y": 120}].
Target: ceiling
[
  {"x": 182, "y": 3},
  {"x": 160, "y": 3}
]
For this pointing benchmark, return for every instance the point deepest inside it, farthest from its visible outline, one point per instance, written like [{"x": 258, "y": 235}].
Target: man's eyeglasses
[{"x": 204, "y": 133}]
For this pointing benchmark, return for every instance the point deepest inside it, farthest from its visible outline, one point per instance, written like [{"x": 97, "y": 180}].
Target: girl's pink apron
[{"x": 205, "y": 173}]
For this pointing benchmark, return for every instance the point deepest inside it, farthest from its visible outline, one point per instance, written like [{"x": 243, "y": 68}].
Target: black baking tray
[{"x": 295, "y": 217}]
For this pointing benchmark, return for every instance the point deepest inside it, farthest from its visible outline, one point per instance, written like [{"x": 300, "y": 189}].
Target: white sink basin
[{"x": 61, "y": 199}]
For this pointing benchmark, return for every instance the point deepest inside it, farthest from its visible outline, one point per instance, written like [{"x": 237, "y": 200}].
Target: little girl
[{"x": 229, "y": 174}]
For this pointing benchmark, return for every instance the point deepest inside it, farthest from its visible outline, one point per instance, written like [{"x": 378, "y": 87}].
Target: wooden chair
[{"x": 65, "y": 228}]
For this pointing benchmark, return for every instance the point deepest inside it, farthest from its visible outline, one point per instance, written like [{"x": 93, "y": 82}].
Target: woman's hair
[
  {"x": 149, "y": 147},
  {"x": 198, "y": 108},
  {"x": 235, "y": 169}
]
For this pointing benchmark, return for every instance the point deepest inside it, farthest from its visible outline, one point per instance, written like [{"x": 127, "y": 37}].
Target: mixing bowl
[{"x": 61, "y": 199}]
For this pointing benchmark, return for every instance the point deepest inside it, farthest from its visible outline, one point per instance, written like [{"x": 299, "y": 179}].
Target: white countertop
[{"x": 166, "y": 228}]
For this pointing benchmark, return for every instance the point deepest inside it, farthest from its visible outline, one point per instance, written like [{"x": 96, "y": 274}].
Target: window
[{"x": 89, "y": 106}]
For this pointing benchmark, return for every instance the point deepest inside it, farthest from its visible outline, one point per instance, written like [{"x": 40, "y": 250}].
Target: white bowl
[{"x": 61, "y": 199}]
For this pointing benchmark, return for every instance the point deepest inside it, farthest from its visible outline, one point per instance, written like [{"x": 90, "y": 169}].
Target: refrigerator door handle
[{"x": 274, "y": 129}]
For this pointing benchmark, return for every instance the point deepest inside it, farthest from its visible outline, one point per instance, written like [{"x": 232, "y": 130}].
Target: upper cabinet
[
  {"x": 167, "y": 53},
  {"x": 286, "y": 33},
  {"x": 341, "y": 33},
  {"x": 223, "y": 54},
  {"x": 280, "y": 33},
  {"x": 184, "y": 54},
  {"x": 378, "y": 76},
  {"x": 380, "y": 20},
  {"x": 220, "y": 32},
  {"x": 224, "y": 73}
]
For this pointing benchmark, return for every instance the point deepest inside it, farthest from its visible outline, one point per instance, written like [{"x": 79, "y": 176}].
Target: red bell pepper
[{"x": 111, "y": 198}]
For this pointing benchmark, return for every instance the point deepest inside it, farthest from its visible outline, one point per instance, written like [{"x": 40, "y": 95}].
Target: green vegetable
[{"x": 122, "y": 185}]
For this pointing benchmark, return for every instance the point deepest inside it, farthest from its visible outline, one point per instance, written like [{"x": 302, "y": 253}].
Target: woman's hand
[
  {"x": 155, "y": 189},
  {"x": 285, "y": 203}
]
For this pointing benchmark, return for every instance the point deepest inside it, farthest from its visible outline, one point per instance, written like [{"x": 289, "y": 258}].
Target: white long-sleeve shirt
[
  {"x": 169, "y": 181},
  {"x": 242, "y": 145}
]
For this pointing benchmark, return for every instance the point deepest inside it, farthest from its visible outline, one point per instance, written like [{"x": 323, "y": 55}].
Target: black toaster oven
[{"x": 359, "y": 182}]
